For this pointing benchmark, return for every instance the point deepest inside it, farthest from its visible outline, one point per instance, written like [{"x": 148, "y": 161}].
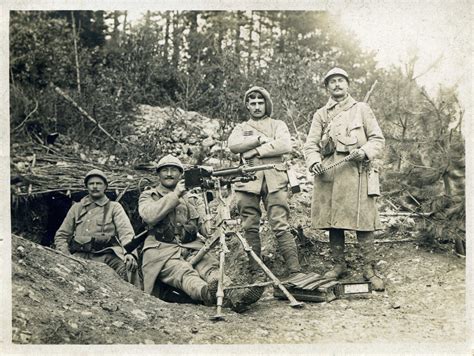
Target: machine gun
[
  {"x": 205, "y": 177},
  {"x": 211, "y": 181}
]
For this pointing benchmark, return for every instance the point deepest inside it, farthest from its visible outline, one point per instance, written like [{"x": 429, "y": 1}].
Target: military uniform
[
  {"x": 344, "y": 198},
  {"x": 271, "y": 139},
  {"x": 170, "y": 219},
  {"x": 106, "y": 223}
]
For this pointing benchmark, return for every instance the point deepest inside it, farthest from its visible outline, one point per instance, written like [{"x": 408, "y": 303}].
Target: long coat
[
  {"x": 244, "y": 138},
  {"x": 155, "y": 205},
  {"x": 84, "y": 220},
  {"x": 341, "y": 196}
]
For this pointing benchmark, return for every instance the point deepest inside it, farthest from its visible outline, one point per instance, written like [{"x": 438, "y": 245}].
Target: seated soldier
[
  {"x": 173, "y": 222},
  {"x": 97, "y": 229}
]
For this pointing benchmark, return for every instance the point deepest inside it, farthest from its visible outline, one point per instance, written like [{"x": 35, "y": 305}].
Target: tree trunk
[
  {"x": 193, "y": 44},
  {"x": 176, "y": 40},
  {"x": 237, "y": 45},
  {"x": 167, "y": 37},
  {"x": 249, "y": 45},
  {"x": 125, "y": 21},
  {"x": 76, "y": 57},
  {"x": 115, "y": 32}
]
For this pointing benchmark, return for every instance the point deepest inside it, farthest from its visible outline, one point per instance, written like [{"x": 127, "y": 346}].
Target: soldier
[
  {"x": 97, "y": 229},
  {"x": 174, "y": 222},
  {"x": 263, "y": 140},
  {"x": 344, "y": 198}
]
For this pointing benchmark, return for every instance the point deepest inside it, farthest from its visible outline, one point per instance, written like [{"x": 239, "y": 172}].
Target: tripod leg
[
  {"x": 220, "y": 286},
  {"x": 205, "y": 249},
  {"x": 293, "y": 302}
]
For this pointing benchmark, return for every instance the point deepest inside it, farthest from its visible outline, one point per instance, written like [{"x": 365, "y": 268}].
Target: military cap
[
  {"x": 335, "y": 71},
  {"x": 169, "y": 160},
  {"x": 95, "y": 173}
]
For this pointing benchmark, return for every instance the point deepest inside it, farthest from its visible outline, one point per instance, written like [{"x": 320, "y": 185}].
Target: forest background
[{"x": 204, "y": 61}]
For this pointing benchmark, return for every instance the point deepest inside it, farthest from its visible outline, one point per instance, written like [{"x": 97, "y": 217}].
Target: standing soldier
[
  {"x": 173, "y": 222},
  {"x": 344, "y": 198},
  {"x": 97, "y": 229},
  {"x": 263, "y": 140}
]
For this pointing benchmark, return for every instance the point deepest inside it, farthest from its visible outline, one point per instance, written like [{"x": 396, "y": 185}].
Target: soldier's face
[
  {"x": 337, "y": 86},
  {"x": 96, "y": 187},
  {"x": 256, "y": 107},
  {"x": 169, "y": 176}
]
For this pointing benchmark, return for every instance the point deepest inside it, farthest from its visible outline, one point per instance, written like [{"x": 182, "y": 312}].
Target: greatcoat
[
  {"x": 345, "y": 197},
  {"x": 154, "y": 206},
  {"x": 86, "y": 219}
]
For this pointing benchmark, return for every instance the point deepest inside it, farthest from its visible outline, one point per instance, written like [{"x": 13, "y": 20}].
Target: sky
[{"x": 436, "y": 29}]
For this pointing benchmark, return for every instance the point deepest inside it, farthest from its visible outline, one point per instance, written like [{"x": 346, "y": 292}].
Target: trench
[{"x": 38, "y": 217}]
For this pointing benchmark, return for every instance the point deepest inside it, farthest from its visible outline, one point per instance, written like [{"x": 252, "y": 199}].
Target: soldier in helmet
[
  {"x": 173, "y": 221},
  {"x": 263, "y": 140},
  {"x": 344, "y": 198},
  {"x": 97, "y": 229}
]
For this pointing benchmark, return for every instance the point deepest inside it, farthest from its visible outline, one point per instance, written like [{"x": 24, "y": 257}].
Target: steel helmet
[
  {"x": 95, "y": 173},
  {"x": 265, "y": 94},
  {"x": 335, "y": 71},
  {"x": 169, "y": 160}
]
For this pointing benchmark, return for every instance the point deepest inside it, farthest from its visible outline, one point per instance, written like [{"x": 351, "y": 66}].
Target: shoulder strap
[{"x": 106, "y": 210}]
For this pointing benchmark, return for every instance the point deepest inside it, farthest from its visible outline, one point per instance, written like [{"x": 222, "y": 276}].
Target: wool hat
[{"x": 266, "y": 96}]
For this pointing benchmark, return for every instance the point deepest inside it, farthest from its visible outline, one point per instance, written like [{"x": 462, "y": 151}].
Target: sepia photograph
[{"x": 254, "y": 178}]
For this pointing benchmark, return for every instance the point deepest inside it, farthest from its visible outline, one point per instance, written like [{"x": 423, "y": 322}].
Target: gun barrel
[
  {"x": 224, "y": 172},
  {"x": 249, "y": 169},
  {"x": 236, "y": 171}
]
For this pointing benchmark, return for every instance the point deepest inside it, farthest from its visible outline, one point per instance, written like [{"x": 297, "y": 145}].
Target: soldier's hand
[
  {"x": 263, "y": 139},
  {"x": 358, "y": 155},
  {"x": 249, "y": 154},
  {"x": 180, "y": 188},
  {"x": 317, "y": 168},
  {"x": 130, "y": 263}
]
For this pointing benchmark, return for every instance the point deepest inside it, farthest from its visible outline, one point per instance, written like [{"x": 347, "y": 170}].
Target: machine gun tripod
[{"x": 225, "y": 226}]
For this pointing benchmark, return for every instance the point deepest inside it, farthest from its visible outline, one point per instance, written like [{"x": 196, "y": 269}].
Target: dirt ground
[{"x": 57, "y": 300}]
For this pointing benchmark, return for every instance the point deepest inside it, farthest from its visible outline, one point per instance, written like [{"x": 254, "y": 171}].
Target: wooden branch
[
  {"x": 431, "y": 66},
  {"x": 122, "y": 193},
  {"x": 394, "y": 241},
  {"x": 83, "y": 112},
  {"x": 369, "y": 93},
  {"x": 27, "y": 117},
  {"x": 403, "y": 213}
]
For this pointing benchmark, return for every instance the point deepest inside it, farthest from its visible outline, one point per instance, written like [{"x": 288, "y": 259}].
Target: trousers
[
  {"x": 109, "y": 258},
  {"x": 180, "y": 274},
  {"x": 276, "y": 205}
]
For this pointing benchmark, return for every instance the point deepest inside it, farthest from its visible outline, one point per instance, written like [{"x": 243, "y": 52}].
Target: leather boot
[
  {"x": 338, "y": 271},
  {"x": 256, "y": 273},
  {"x": 208, "y": 293},
  {"x": 376, "y": 281},
  {"x": 336, "y": 245},
  {"x": 239, "y": 300},
  {"x": 289, "y": 251}
]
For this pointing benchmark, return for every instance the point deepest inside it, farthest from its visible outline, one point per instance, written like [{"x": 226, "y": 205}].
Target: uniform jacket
[
  {"x": 85, "y": 220},
  {"x": 160, "y": 204},
  {"x": 244, "y": 138},
  {"x": 336, "y": 193}
]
